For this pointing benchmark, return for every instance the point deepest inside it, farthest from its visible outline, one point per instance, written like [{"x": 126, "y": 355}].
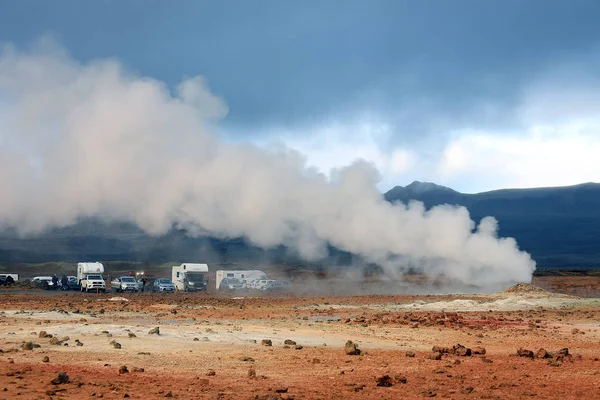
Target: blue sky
[{"x": 475, "y": 95}]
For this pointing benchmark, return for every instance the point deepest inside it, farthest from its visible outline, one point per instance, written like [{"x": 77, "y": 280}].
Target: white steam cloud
[{"x": 92, "y": 139}]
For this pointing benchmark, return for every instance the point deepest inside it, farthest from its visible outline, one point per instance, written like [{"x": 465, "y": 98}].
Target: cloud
[
  {"x": 95, "y": 139},
  {"x": 554, "y": 141}
]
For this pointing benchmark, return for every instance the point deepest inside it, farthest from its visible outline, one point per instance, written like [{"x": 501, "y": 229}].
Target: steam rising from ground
[{"x": 79, "y": 140}]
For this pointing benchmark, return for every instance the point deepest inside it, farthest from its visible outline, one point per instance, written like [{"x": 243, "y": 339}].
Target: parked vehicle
[
  {"x": 276, "y": 285},
  {"x": 14, "y": 277},
  {"x": 231, "y": 284},
  {"x": 43, "y": 282},
  {"x": 244, "y": 276},
  {"x": 163, "y": 285},
  {"x": 89, "y": 276},
  {"x": 124, "y": 284},
  {"x": 72, "y": 283},
  {"x": 190, "y": 277}
]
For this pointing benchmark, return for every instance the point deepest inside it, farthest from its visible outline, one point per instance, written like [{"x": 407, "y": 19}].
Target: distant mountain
[{"x": 559, "y": 226}]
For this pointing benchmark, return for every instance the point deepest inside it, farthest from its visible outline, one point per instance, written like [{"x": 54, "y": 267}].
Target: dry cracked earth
[{"x": 523, "y": 342}]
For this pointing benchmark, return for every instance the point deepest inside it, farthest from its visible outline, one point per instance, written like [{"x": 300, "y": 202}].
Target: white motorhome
[
  {"x": 89, "y": 276},
  {"x": 190, "y": 277},
  {"x": 244, "y": 276},
  {"x": 14, "y": 276}
]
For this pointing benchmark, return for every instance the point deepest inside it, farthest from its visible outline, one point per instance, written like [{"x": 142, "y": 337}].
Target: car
[
  {"x": 231, "y": 284},
  {"x": 163, "y": 285},
  {"x": 276, "y": 285},
  {"x": 125, "y": 283},
  {"x": 44, "y": 282},
  {"x": 71, "y": 283}
]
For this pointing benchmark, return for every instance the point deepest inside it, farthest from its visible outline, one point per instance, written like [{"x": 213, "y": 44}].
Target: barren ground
[{"x": 210, "y": 347}]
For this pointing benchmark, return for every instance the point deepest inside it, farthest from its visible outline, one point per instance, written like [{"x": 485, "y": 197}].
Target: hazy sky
[{"x": 475, "y": 95}]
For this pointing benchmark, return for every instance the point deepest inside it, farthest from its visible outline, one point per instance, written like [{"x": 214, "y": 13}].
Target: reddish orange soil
[{"x": 210, "y": 348}]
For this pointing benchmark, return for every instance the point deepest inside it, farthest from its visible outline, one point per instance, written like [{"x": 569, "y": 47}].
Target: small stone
[
  {"x": 251, "y": 373},
  {"x": 137, "y": 369},
  {"x": 289, "y": 342},
  {"x": 299, "y": 347},
  {"x": 46, "y": 359},
  {"x": 27, "y": 346},
  {"x": 400, "y": 379},
  {"x": 351, "y": 348},
  {"x": 436, "y": 355},
  {"x": 211, "y": 372},
  {"x": 542, "y": 353},
  {"x": 281, "y": 390},
  {"x": 116, "y": 345},
  {"x": 410, "y": 354},
  {"x": 196, "y": 339},
  {"x": 61, "y": 378},
  {"x": 154, "y": 331},
  {"x": 266, "y": 342},
  {"x": 521, "y": 352},
  {"x": 131, "y": 335},
  {"x": 123, "y": 369},
  {"x": 384, "y": 381},
  {"x": 247, "y": 358},
  {"x": 478, "y": 350}
]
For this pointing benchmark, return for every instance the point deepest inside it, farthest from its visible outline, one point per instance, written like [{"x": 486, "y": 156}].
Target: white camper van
[
  {"x": 89, "y": 276},
  {"x": 190, "y": 277},
  {"x": 245, "y": 277}
]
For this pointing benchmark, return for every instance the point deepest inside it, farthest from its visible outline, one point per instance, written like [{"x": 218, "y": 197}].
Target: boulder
[
  {"x": 154, "y": 331},
  {"x": 542, "y": 353},
  {"x": 521, "y": 352},
  {"x": 61, "y": 378},
  {"x": 478, "y": 350},
  {"x": 384, "y": 381},
  {"x": 266, "y": 342},
  {"x": 351, "y": 348}
]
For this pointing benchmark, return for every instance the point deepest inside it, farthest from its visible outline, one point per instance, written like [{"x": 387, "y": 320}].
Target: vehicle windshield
[
  {"x": 94, "y": 277},
  {"x": 233, "y": 281},
  {"x": 164, "y": 281},
  {"x": 195, "y": 277},
  {"x": 127, "y": 279}
]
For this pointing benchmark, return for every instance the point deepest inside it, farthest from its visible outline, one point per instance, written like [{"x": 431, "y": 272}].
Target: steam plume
[{"x": 92, "y": 139}]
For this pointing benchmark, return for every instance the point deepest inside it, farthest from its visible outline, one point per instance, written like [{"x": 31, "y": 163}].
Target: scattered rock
[
  {"x": 521, "y": 352},
  {"x": 316, "y": 361},
  {"x": 46, "y": 359},
  {"x": 123, "y": 369},
  {"x": 55, "y": 341},
  {"x": 478, "y": 350},
  {"x": 61, "y": 378},
  {"x": 154, "y": 331},
  {"x": 575, "y": 331},
  {"x": 196, "y": 339},
  {"x": 137, "y": 369},
  {"x": 384, "y": 380},
  {"x": 400, "y": 379},
  {"x": 461, "y": 350},
  {"x": 44, "y": 334},
  {"x": 281, "y": 390},
  {"x": 542, "y": 353},
  {"x": 436, "y": 355},
  {"x": 131, "y": 335},
  {"x": 247, "y": 358},
  {"x": 211, "y": 372},
  {"x": 351, "y": 348},
  {"x": 299, "y": 347},
  {"x": 251, "y": 373},
  {"x": 116, "y": 345},
  {"x": 27, "y": 346},
  {"x": 410, "y": 354},
  {"x": 266, "y": 342},
  {"x": 289, "y": 342}
]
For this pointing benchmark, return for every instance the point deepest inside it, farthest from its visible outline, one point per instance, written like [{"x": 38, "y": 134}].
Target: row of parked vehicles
[{"x": 187, "y": 277}]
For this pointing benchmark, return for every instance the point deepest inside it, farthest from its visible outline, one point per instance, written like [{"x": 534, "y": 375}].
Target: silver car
[{"x": 163, "y": 285}]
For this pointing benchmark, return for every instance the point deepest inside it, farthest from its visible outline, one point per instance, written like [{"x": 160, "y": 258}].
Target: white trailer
[
  {"x": 190, "y": 277},
  {"x": 14, "y": 276},
  {"x": 244, "y": 276},
  {"x": 89, "y": 276}
]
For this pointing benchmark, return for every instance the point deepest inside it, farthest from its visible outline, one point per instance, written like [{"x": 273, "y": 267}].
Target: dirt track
[{"x": 200, "y": 334}]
